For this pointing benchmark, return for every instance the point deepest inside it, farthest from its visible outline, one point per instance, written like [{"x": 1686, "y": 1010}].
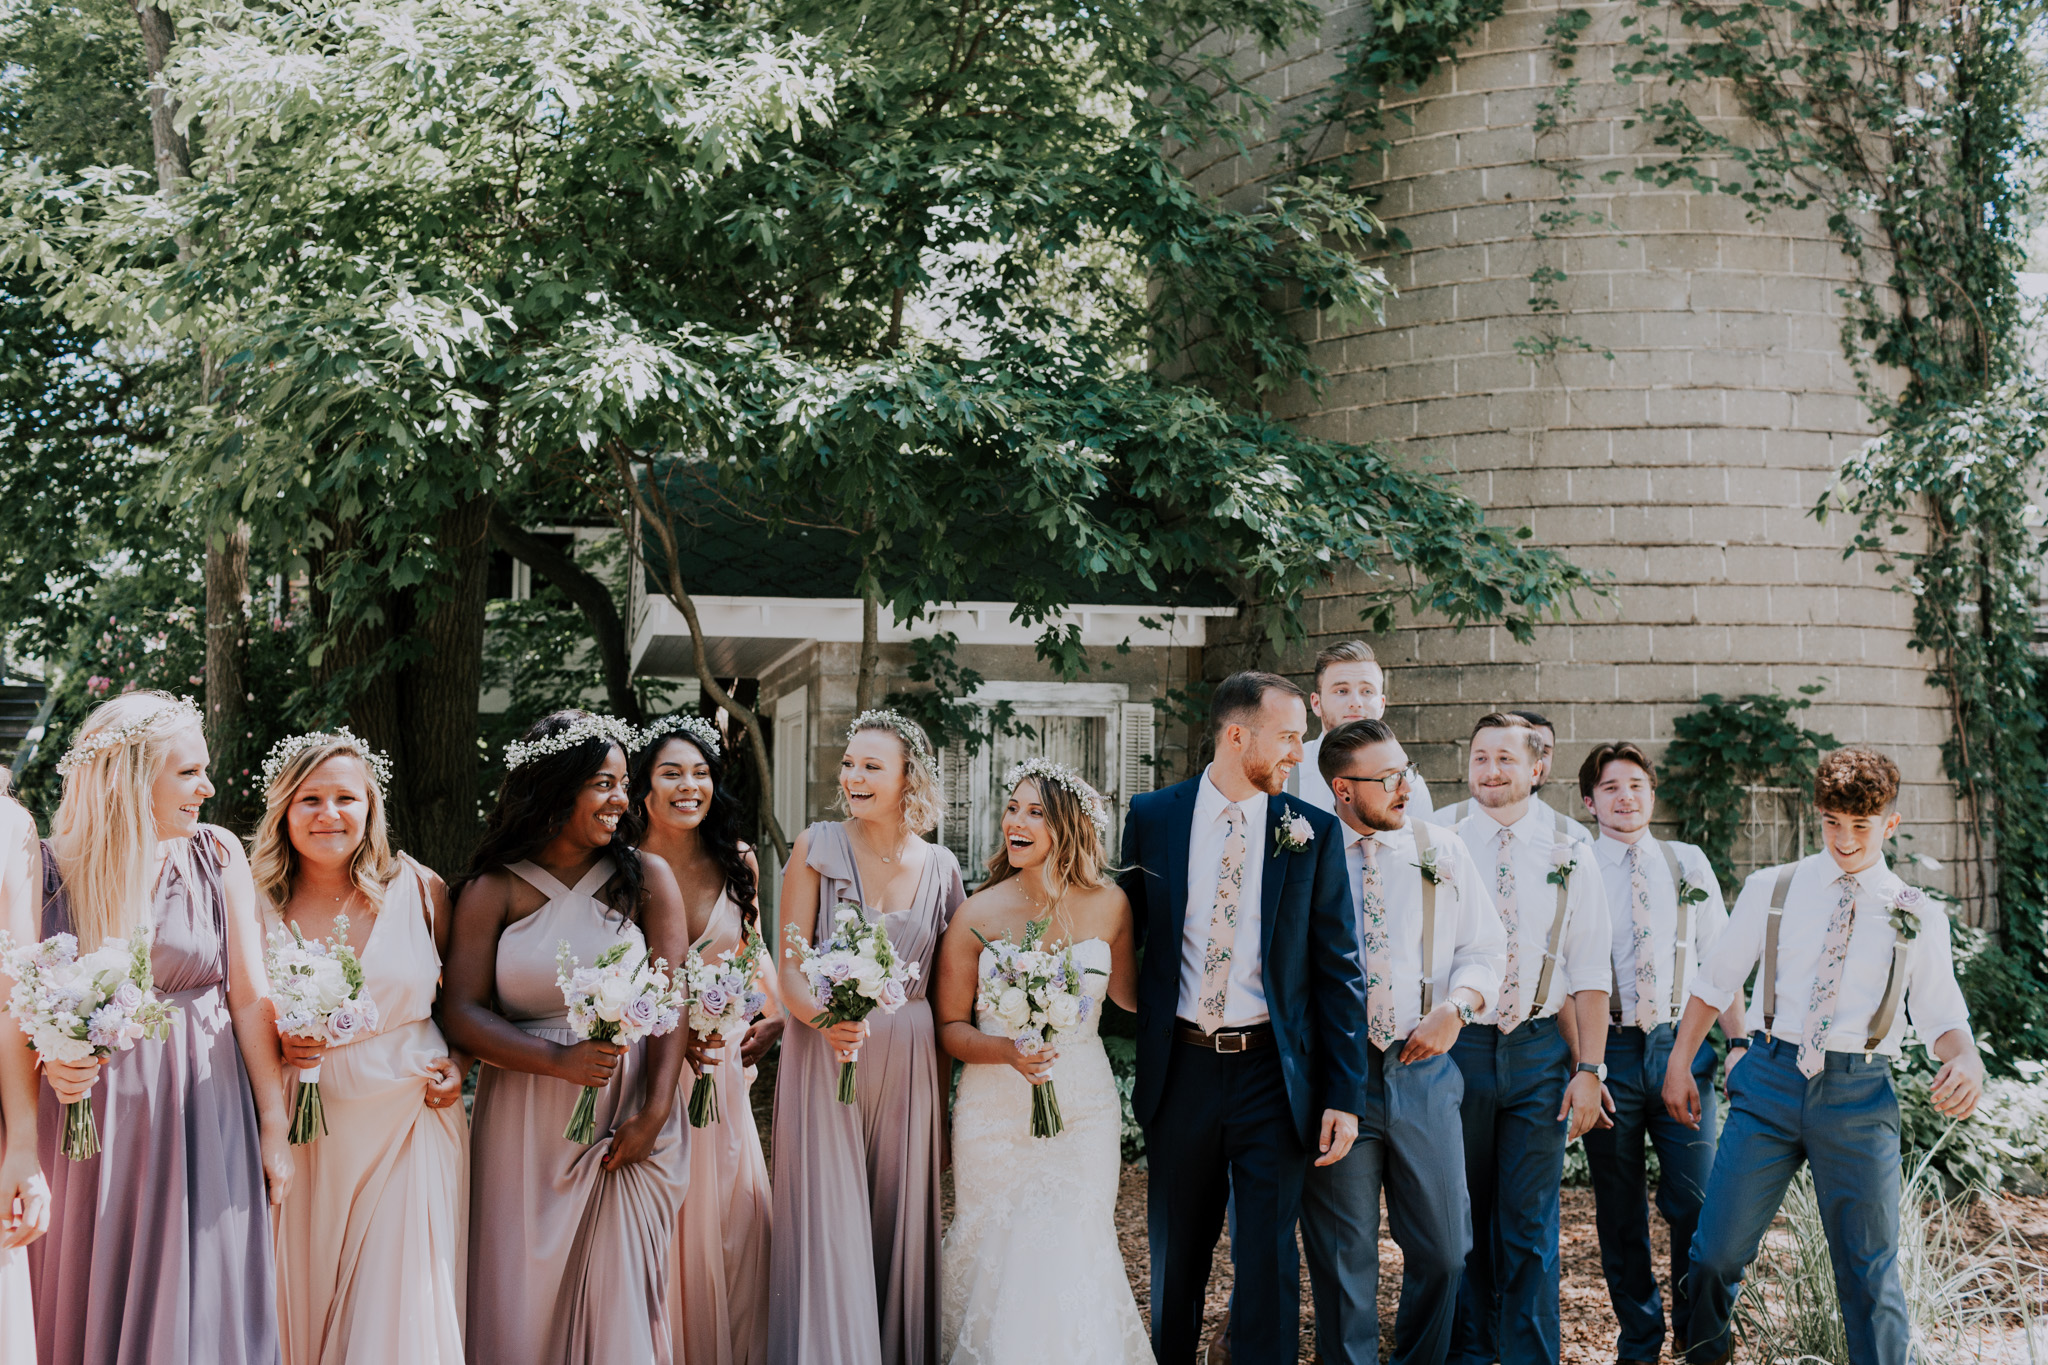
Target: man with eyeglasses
[{"x": 1433, "y": 952}]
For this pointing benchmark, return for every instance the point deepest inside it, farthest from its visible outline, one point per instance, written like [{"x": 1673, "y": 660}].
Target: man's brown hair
[
  {"x": 1604, "y": 754},
  {"x": 1856, "y": 782},
  {"x": 1343, "y": 652},
  {"x": 1508, "y": 720},
  {"x": 1242, "y": 694}
]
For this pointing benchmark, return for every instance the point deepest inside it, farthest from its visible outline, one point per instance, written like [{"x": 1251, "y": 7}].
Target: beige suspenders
[
  {"x": 1888, "y": 1006},
  {"x": 1542, "y": 996},
  {"x": 1423, "y": 844},
  {"x": 1767, "y": 983}
]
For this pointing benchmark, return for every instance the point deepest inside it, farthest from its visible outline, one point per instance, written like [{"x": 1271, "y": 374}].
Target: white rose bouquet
[
  {"x": 319, "y": 993},
  {"x": 852, "y": 974},
  {"x": 614, "y": 1001},
  {"x": 1034, "y": 992},
  {"x": 724, "y": 999},
  {"x": 76, "y": 1007}
]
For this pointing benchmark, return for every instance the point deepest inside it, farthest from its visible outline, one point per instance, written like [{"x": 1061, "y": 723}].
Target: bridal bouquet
[
  {"x": 1034, "y": 992},
  {"x": 614, "y": 1001},
  {"x": 852, "y": 974},
  {"x": 723, "y": 1000},
  {"x": 319, "y": 993},
  {"x": 76, "y": 1007}
]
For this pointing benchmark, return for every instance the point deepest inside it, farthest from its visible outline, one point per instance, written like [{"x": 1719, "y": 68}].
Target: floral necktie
[
  {"x": 1827, "y": 980},
  {"x": 1222, "y": 922},
  {"x": 1511, "y": 924},
  {"x": 1372, "y": 915},
  {"x": 1647, "y": 994}
]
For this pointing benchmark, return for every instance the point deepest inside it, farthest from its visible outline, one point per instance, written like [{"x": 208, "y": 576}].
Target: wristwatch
[
  {"x": 1466, "y": 1014},
  {"x": 1741, "y": 1044},
  {"x": 1599, "y": 1070}
]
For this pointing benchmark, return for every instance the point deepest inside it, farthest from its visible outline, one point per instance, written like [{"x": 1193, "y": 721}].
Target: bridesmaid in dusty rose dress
[
  {"x": 370, "y": 1241},
  {"x": 159, "y": 1247},
  {"x": 855, "y": 1265},
  {"x": 24, "y": 1194},
  {"x": 718, "y": 1277},
  {"x": 568, "y": 1245}
]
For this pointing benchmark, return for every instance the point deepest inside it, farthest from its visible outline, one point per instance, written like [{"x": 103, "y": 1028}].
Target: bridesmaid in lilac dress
[
  {"x": 855, "y": 1258},
  {"x": 24, "y": 1194},
  {"x": 159, "y": 1247},
  {"x": 568, "y": 1244}
]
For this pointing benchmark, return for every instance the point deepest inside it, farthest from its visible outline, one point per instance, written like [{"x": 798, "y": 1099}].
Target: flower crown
[
  {"x": 696, "y": 729},
  {"x": 1045, "y": 770},
  {"x": 180, "y": 711},
  {"x": 905, "y": 729},
  {"x": 582, "y": 730},
  {"x": 290, "y": 747}
]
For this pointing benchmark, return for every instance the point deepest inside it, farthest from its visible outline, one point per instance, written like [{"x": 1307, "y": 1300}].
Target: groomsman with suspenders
[
  {"x": 1349, "y": 685},
  {"x": 1840, "y": 944},
  {"x": 1567, "y": 828},
  {"x": 1434, "y": 953},
  {"x": 1533, "y": 1065},
  {"x": 1665, "y": 907}
]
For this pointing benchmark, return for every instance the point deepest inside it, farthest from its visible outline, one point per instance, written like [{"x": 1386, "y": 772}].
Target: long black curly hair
[
  {"x": 534, "y": 803},
  {"x": 720, "y": 828}
]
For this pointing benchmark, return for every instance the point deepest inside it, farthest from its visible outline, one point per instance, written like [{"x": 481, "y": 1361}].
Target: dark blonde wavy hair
[
  {"x": 273, "y": 862},
  {"x": 1077, "y": 858}
]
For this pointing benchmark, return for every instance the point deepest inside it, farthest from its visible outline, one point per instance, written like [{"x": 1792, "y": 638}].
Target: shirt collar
[
  {"x": 1210, "y": 801},
  {"x": 1878, "y": 877},
  {"x": 1386, "y": 838},
  {"x": 1612, "y": 851},
  {"x": 1538, "y": 822}
]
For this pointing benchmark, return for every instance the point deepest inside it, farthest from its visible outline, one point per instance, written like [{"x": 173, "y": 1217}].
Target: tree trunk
[
  {"x": 229, "y": 743},
  {"x": 350, "y": 657},
  {"x": 870, "y": 652},
  {"x": 591, "y": 596},
  {"x": 439, "y": 692}
]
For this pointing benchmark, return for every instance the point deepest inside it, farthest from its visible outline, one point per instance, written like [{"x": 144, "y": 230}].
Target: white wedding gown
[{"x": 1031, "y": 1271}]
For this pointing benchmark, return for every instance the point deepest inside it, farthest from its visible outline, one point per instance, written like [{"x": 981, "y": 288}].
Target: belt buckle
[{"x": 1228, "y": 1042}]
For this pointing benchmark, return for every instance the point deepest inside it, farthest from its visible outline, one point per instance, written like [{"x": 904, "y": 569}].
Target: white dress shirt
[
  {"x": 1244, "y": 1001},
  {"x": 1932, "y": 997},
  {"x": 1585, "y": 960},
  {"x": 1704, "y": 919},
  {"x": 1470, "y": 949},
  {"x": 1455, "y": 814},
  {"x": 1307, "y": 783}
]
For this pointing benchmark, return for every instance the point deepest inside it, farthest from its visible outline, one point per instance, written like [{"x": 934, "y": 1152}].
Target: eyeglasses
[{"x": 1390, "y": 784}]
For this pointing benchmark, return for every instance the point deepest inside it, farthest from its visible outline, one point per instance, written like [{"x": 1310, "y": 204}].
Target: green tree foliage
[{"x": 1730, "y": 744}]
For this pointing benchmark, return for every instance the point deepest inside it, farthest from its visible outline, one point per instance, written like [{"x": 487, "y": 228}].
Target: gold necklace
[{"x": 886, "y": 859}]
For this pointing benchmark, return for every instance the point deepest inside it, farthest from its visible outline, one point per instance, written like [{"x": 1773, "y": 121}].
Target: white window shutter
[
  {"x": 956, "y": 772},
  {"x": 1135, "y": 750}
]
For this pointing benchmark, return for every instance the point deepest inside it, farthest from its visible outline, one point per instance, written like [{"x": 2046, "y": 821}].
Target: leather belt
[{"x": 1224, "y": 1040}]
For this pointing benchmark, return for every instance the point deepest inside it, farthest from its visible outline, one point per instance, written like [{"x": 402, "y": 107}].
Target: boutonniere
[
  {"x": 1688, "y": 894},
  {"x": 1562, "y": 865},
  {"x": 1434, "y": 872},
  {"x": 1905, "y": 912},
  {"x": 1292, "y": 834}
]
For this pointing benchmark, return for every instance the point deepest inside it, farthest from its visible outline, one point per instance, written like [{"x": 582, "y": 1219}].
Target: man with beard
[
  {"x": 1433, "y": 953},
  {"x": 1534, "y": 1073},
  {"x": 1546, "y": 734}
]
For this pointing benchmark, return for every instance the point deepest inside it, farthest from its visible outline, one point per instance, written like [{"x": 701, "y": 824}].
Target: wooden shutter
[{"x": 956, "y": 825}]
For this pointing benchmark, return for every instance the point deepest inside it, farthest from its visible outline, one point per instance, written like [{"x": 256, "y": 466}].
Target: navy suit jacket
[{"x": 1308, "y": 945}]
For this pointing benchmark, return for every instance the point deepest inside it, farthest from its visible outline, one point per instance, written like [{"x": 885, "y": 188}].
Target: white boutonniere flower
[
  {"x": 1562, "y": 865},
  {"x": 1292, "y": 834},
  {"x": 1905, "y": 912},
  {"x": 1433, "y": 870},
  {"x": 1688, "y": 894}
]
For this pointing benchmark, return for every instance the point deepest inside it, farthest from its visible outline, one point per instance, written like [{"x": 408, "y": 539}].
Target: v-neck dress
[
  {"x": 855, "y": 1256},
  {"x": 568, "y": 1263},
  {"x": 370, "y": 1239}
]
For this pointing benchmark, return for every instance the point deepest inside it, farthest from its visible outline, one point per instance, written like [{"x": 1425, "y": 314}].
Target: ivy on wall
[{"x": 1723, "y": 749}]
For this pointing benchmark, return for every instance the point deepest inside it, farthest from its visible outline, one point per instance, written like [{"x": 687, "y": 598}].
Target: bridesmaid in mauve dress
[
  {"x": 370, "y": 1241},
  {"x": 568, "y": 1245},
  {"x": 718, "y": 1278},
  {"x": 855, "y": 1269},
  {"x": 24, "y": 1194},
  {"x": 159, "y": 1247}
]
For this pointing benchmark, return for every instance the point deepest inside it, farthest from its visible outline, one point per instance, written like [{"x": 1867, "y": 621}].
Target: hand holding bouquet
[
  {"x": 76, "y": 1008},
  {"x": 319, "y": 994},
  {"x": 724, "y": 1000},
  {"x": 614, "y": 1001},
  {"x": 852, "y": 974},
  {"x": 1034, "y": 992}
]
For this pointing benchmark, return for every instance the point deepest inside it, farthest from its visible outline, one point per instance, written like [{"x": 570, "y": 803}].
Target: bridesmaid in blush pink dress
[
  {"x": 370, "y": 1241},
  {"x": 24, "y": 1194},
  {"x": 569, "y": 1245},
  {"x": 718, "y": 1278}
]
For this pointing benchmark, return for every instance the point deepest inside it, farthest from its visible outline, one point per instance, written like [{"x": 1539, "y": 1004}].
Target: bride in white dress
[{"x": 1030, "y": 1270}]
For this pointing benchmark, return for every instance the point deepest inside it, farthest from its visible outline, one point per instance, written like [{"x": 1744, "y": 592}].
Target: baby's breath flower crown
[
  {"x": 904, "y": 729},
  {"x": 180, "y": 712},
  {"x": 290, "y": 747},
  {"x": 520, "y": 752},
  {"x": 1045, "y": 770},
  {"x": 696, "y": 729}
]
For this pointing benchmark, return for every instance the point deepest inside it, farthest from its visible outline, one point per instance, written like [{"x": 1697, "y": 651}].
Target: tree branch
[{"x": 591, "y": 596}]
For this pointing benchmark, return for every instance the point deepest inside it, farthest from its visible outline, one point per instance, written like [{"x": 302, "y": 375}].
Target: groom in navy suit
[{"x": 1251, "y": 1019}]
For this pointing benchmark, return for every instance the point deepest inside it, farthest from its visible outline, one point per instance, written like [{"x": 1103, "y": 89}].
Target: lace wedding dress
[{"x": 1030, "y": 1271}]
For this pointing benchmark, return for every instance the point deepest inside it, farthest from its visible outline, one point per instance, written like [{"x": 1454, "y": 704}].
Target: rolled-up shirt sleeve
[
  {"x": 1589, "y": 938},
  {"x": 1738, "y": 946},
  {"x": 1934, "y": 999},
  {"x": 1480, "y": 957}
]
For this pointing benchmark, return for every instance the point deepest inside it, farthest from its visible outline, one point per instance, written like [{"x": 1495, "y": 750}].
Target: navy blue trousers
[{"x": 1635, "y": 1078}]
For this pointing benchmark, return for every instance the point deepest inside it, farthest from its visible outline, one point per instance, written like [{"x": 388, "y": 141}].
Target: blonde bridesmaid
[
  {"x": 718, "y": 1279},
  {"x": 24, "y": 1194},
  {"x": 370, "y": 1241}
]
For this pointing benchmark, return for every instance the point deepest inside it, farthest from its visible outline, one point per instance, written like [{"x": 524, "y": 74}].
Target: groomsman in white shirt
[
  {"x": 1567, "y": 828},
  {"x": 1665, "y": 907},
  {"x": 1349, "y": 685},
  {"x": 1534, "y": 1064},
  {"x": 1839, "y": 943},
  {"x": 1433, "y": 953}
]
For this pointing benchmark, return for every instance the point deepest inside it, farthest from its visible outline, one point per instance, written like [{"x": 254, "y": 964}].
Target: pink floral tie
[
  {"x": 1827, "y": 980},
  {"x": 1511, "y": 923},
  {"x": 1647, "y": 995},
  {"x": 1223, "y": 922},
  {"x": 1372, "y": 915}
]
